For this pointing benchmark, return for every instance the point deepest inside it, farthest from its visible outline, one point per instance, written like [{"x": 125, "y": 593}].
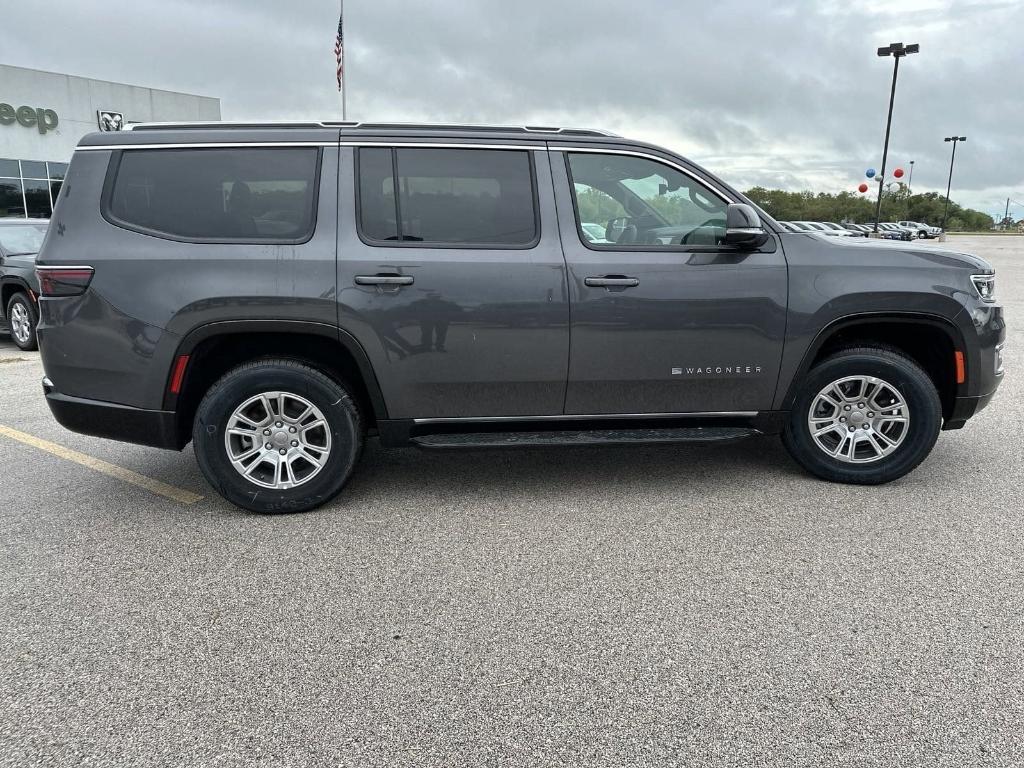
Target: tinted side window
[
  {"x": 377, "y": 212},
  {"x": 447, "y": 196},
  {"x": 217, "y": 194},
  {"x": 633, "y": 201}
]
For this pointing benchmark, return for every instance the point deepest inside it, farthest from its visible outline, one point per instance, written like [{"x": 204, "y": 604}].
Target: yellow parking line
[{"x": 154, "y": 486}]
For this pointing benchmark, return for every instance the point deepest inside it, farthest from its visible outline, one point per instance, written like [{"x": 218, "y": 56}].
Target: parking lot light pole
[
  {"x": 949, "y": 184},
  {"x": 910, "y": 178},
  {"x": 897, "y": 51}
]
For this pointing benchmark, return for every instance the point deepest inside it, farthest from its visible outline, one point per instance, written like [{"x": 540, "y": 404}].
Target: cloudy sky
[{"x": 787, "y": 93}]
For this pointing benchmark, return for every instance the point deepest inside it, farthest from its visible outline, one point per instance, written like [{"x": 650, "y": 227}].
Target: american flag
[{"x": 339, "y": 46}]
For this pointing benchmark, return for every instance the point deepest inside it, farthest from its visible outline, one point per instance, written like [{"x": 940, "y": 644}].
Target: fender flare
[
  {"x": 196, "y": 336},
  {"x": 955, "y": 333},
  {"x": 20, "y": 282}
]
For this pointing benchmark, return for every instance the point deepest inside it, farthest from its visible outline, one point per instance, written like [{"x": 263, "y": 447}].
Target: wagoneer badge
[{"x": 718, "y": 370}]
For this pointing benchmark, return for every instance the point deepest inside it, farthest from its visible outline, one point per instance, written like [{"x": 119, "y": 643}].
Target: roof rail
[
  {"x": 467, "y": 127},
  {"x": 471, "y": 127},
  {"x": 228, "y": 124}
]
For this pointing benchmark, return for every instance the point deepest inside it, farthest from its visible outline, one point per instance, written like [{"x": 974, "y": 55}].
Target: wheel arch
[
  {"x": 216, "y": 348},
  {"x": 892, "y": 330},
  {"x": 10, "y": 285}
]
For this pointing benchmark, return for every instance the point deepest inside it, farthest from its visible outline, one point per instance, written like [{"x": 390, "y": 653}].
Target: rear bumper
[{"x": 157, "y": 429}]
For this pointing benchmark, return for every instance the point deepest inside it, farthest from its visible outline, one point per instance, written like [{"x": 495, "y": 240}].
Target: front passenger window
[{"x": 623, "y": 200}]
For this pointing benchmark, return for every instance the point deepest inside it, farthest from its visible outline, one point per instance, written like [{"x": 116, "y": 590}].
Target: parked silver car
[
  {"x": 824, "y": 229},
  {"x": 922, "y": 230},
  {"x": 841, "y": 229},
  {"x": 896, "y": 232}
]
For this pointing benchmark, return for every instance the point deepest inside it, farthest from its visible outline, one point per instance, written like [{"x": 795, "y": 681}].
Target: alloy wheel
[
  {"x": 21, "y": 324},
  {"x": 278, "y": 440},
  {"x": 858, "y": 419}
]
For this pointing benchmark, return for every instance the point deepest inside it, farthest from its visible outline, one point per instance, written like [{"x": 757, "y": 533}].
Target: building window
[
  {"x": 12, "y": 198},
  {"x": 32, "y": 169},
  {"x": 37, "y": 198},
  {"x": 29, "y": 188}
]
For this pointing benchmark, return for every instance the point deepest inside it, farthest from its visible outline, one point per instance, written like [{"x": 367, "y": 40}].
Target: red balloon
[
  {"x": 863, "y": 188},
  {"x": 898, "y": 173}
]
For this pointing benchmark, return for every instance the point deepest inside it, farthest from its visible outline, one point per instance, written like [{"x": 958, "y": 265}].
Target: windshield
[{"x": 22, "y": 238}]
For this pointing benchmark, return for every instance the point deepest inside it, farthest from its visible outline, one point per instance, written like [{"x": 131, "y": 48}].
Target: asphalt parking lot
[{"x": 605, "y": 606}]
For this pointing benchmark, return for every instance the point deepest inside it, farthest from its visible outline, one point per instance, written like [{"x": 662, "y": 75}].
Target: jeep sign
[{"x": 44, "y": 119}]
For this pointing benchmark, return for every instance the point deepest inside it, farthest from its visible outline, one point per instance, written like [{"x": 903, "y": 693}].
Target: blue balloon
[{"x": 870, "y": 173}]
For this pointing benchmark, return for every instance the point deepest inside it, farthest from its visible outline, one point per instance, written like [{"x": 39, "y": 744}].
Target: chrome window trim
[
  {"x": 387, "y": 142},
  {"x": 206, "y": 145},
  {"x": 582, "y": 417},
  {"x": 391, "y": 142},
  {"x": 726, "y": 197}
]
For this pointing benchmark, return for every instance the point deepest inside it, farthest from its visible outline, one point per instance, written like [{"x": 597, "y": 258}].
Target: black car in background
[{"x": 20, "y": 241}]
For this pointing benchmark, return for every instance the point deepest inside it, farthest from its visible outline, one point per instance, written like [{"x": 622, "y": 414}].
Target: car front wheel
[{"x": 866, "y": 416}]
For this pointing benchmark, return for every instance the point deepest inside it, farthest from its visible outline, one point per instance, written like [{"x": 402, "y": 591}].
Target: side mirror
[{"x": 743, "y": 227}]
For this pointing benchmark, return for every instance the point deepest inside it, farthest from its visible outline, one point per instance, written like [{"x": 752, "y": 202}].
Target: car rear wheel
[
  {"x": 22, "y": 318},
  {"x": 865, "y": 416},
  {"x": 277, "y": 436}
]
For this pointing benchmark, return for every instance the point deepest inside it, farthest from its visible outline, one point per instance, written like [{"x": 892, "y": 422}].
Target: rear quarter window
[{"x": 215, "y": 195}]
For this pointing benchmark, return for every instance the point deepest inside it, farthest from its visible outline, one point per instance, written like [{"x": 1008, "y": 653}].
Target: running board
[{"x": 583, "y": 437}]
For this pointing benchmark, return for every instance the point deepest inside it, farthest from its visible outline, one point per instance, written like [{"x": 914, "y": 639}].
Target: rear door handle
[
  {"x": 384, "y": 280},
  {"x": 611, "y": 281}
]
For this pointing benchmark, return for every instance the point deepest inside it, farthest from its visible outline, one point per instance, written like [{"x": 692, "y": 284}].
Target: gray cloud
[{"x": 791, "y": 95}]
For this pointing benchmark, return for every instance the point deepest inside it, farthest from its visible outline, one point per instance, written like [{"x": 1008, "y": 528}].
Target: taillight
[{"x": 63, "y": 281}]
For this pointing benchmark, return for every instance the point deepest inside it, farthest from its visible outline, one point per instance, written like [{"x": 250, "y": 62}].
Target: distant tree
[{"x": 897, "y": 204}]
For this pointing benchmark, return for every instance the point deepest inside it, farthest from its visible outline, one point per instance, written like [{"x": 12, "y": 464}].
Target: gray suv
[{"x": 276, "y": 294}]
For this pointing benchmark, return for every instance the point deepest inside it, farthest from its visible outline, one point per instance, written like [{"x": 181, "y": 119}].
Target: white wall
[{"x": 75, "y": 100}]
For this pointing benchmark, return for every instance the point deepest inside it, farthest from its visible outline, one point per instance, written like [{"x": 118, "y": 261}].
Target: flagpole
[{"x": 344, "y": 74}]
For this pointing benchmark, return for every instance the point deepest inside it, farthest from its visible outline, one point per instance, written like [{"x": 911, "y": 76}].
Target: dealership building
[{"x": 44, "y": 114}]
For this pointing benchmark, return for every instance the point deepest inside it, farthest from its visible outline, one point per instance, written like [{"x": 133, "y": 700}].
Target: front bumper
[
  {"x": 966, "y": 407},
  {"x": 113, "y": 421},
  {"x": 985, "y": 367}
]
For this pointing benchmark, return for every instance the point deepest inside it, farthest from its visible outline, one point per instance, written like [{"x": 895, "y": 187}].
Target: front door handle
[
  {"x": 384, "y": 280},
  {"x": 611, "y": 281}
]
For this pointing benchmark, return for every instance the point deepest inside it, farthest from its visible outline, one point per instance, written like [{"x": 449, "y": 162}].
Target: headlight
[{"x": 985, "y": 285}]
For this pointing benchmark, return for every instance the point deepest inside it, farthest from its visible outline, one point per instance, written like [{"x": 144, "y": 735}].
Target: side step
[{"x": 583, "y": 437}]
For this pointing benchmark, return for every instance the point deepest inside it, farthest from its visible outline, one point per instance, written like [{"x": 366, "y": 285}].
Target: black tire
[
  {"x": 921, "y": 397},
  {"x": 23, "y": 302},
  {"x": 249, "y": 380}
]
